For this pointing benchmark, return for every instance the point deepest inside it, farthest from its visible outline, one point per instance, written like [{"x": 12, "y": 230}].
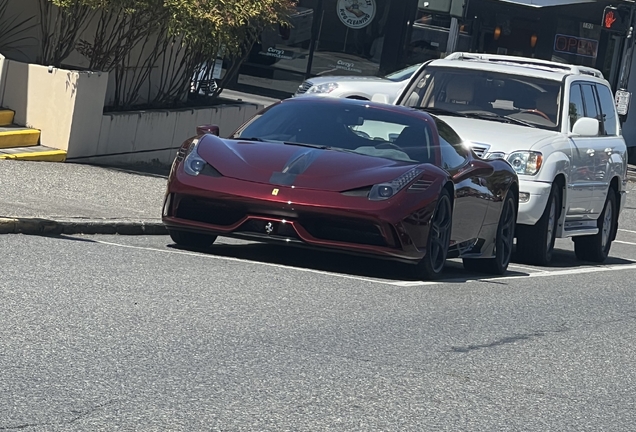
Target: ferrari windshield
[
  {"x": 489, "y": 95},
  {"x": 345, "y": 126}
]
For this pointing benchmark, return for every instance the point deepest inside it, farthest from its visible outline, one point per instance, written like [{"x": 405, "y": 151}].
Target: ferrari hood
[
  {"x": 298, "y": 166},
  {"x": 501, "y": 137}
]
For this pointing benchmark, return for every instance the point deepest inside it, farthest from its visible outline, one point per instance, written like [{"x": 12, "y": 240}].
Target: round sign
[{"x": 356, "y": 14}]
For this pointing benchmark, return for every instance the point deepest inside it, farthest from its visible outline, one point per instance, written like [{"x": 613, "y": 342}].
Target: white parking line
[
  {"x": 624, "y": 242},
  {"x": 536, "y": 272},
  {"x": 629, "y": 231}
]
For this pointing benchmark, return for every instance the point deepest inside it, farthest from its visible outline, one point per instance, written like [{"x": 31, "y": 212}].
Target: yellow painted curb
[
  {"x": 6, "y": 117},
  {"x": 19, "y": 138},
  {"x": 43, "y": 156}
]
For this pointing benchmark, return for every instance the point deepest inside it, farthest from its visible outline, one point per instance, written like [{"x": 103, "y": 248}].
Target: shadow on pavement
[
  {"x": 335, "y": 262},
  {"x": 567, "y": 259}
]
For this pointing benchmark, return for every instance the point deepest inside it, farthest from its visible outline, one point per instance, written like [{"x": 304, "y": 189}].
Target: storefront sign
[
  {"x": 278, "y": 53},
  {"x": 356, "y": 14},
  {"x": 346, "y": 65},
  {"x": 575, "y": 45},
  {"x": 622, "y": 102}
]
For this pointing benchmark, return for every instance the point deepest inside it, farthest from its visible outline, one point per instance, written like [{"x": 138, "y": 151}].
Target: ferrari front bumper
[{"x": 321, "y": 219}]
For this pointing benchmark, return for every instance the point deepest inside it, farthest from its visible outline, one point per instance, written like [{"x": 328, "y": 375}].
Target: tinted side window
[
  {"x": 589, "y": 98},
  {"x": 452, "y": 157},
  {"x": 576, "y": 109},
  {"x": 608, "y": 109},
  {"x": 446, "y": 132},
  {"x": 452, "y": 149}
]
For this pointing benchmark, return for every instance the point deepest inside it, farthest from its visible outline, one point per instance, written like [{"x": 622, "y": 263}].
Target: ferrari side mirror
[
  {"x": 208, "y": 129},
  {"x": 476, "y": 168}
]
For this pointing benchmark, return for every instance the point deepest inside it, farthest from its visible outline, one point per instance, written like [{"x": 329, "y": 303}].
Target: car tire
[
  {"x": 535, "y": 244},
  {"x": 504, "y": 242},
  {"x": 438, "y": 242},
  {"x": 596, "y": 248},
  {"x": 192, "y": 239}
]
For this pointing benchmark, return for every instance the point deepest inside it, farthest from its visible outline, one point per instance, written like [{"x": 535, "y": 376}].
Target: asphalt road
[{"x": 128, "y": 333}]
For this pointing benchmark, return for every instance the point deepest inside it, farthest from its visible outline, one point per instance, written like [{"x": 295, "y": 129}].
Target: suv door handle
[
  {"x": 590, "y": 152},
  {"x": 609, "y": 150}
]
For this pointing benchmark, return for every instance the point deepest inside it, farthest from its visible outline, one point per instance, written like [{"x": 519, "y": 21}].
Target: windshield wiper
[
  {"x": 321, "y": 147},
  {"x": 250, "y": 139},
  {"x": 440, "y": 111},
  {"x": 500, "y": 118}
]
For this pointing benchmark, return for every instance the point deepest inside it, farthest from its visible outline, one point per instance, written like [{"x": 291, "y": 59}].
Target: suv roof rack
[{"x": 527, "y": 62}]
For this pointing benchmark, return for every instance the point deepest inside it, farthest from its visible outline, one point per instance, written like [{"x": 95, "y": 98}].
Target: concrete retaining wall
[
  {"x": 154, "y": 136},
  {"x": 65, "y": 105}
]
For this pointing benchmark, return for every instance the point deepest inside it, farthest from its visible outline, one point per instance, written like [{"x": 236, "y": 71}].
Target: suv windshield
[{"x": 489, "y": 95}]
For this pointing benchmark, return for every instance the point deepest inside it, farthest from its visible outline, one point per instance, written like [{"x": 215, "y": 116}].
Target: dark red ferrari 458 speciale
[{"x": 347, "y": 175}]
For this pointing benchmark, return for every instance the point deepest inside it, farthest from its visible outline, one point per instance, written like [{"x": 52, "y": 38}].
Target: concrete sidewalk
[{"x": 54, "y": 198}]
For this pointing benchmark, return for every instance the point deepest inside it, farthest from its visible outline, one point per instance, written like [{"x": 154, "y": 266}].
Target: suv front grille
[
  {"x": 480, "y": 149},
  {"x": 304, "y": 87}
]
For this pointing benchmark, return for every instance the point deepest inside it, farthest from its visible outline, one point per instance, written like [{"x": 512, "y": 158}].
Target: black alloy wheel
[
  {"x": 504, "y": 241},
  {"x": 596, "y": 248},
  {"x": 431, "y": 266}
]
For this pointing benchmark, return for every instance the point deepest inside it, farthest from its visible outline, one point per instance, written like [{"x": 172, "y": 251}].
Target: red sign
[
  {"x": 576, "y": 45},
  {"x": 609, "y": 20}
]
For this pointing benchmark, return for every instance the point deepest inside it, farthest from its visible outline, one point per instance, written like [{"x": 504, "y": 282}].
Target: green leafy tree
[
  {"x": 14, "y": 32},
  {"x": 176, "y": 36}
]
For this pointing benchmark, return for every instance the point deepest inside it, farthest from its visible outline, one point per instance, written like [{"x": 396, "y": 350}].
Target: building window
[
  {"x": 350, "y": 37},
  {"x": 576, "y": 42},
  {"x": 429, "y": 37}
]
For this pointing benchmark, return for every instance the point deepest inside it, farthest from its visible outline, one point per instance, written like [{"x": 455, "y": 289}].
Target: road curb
[{"x": 39, "y": 226}]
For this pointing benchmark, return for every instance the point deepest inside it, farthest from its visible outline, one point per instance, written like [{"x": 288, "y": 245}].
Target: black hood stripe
[{"x": 297, "y": 164}]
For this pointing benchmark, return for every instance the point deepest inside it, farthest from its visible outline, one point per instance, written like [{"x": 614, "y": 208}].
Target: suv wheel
[
  {"x": 535, "y": 244},
  {"x": 596, "y": 248}
]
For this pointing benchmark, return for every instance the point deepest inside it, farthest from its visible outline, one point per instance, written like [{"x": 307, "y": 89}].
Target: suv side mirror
[
  {"x": 586, "y": 126},
  {"x": 380, "y": 98}
]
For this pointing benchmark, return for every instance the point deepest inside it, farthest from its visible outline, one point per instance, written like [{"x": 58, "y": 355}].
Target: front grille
[
  {"x": 215, "y": 212},
  {"x": 259, "y": 226},
  {"x": 480, "y": 149},
  {"x": 207, "y": 86},
  {"x": 210, "y": 212},
  {"x": 304, "y": 87},
  {"x": 343, "y": 230}
]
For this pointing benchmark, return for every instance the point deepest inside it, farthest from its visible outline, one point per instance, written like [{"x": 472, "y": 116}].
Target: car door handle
[
  {"x": 590, "y": 152},
  {"x": 609, "y": 150}
]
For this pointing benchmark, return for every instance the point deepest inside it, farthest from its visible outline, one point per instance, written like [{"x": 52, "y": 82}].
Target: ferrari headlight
[
  {"x": 526, "y": 162},
  {"x": 384, "y": 191},
  {"x": 323, "y": 88},
  {"x": 193, "y": 164}
]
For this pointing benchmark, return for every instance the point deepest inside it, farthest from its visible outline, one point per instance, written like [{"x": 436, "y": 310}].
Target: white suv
[{"x": 556, "y": 124}]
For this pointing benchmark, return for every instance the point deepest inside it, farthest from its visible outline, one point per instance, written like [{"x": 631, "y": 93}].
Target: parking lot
[{"x": 130, "y": 333}]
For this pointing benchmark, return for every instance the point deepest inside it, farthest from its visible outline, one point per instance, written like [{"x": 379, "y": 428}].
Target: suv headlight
[
  {"x": 323, "y": 88},
  {"x": 385, "y": 191},
  {"x": 526, "y": 162},
  {"x": 193, "y": 164}
]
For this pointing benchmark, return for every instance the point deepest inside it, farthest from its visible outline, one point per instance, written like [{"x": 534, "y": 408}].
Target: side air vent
[
  {"x": 362, "y": 192},
  {"x": 420, "y": 185}
]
